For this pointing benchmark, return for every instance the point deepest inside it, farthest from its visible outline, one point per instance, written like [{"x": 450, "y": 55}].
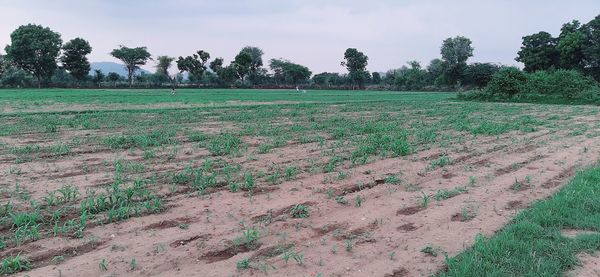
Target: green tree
[
  {"x": 455, "y": 53},
  {"x": 74, "y": 58},
  {"x": 356, "y": 63},
  {"x": 194, "y": 65},
  {"x": 538, "y": 52},
  {"x": 480, "y": 74},
  {"x": 571, "y": 43},
  {"x": 113, "y": 77},
  {"x": 376, "y": 78},
  {"x": 163, "y": 65},
  {"x": 98, "y": 77},
  {"x": 216, "y": 65},
  {"x": 591, "y": 52},
  {"x": 35, "y": 49},
  {"x": 286, "y": 72},
  {"x": 242, "y": 65},
  {"x": 255, "y": 66},
  {"x": 133, "y": 58}
]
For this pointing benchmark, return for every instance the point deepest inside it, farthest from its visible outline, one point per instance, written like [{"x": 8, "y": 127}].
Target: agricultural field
[{"x": 279, "y": 183}]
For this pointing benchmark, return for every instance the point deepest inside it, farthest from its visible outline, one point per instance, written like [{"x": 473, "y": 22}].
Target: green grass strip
[{"x": 532, "y": 245}]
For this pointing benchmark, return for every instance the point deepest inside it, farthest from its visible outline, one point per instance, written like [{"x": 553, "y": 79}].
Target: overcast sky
[{"x": 314, "y": 33}]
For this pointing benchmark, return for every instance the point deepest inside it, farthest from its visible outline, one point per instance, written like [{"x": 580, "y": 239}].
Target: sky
[{"x": 314, "y": 33}]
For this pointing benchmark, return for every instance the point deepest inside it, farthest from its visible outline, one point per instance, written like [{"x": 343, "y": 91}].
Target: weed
[{"x": 300, "y": 211}]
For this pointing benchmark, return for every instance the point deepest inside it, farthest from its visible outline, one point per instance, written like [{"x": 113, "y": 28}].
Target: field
[{"x": 283, "y": 183}]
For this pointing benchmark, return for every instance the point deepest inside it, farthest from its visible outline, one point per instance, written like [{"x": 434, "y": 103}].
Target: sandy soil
[{"x": 382, "y": 237}]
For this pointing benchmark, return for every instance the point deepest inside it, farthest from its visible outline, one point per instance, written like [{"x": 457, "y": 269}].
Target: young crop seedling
[{"x": 300, "y": 211}]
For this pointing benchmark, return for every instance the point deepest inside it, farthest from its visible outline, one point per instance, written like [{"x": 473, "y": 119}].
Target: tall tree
[
  {"x": 113, "y": 77},
  {"x": 254, "y": 69},
  {"x": 242, "y": 65},
  {"x": 194, "y": 65},
  {"x": 133, "y": 58},
  {"x": 480, "y": 74},
  {"x": 35, "y": 49},
  {"x": 356, "y": 64},
  {"x": 286, "y": 72},
  {"x": 539, "y": 52},
  {"x": 74, "y": 58},
  {"x": 591, "y": 52},
  {"x": 571, "y": 43},
  {"x": 455, "y": 53},
  {"x": 98, "y": 77},
  {"x": 163, "y": 65},
  {"x": 216, "y": 65}
]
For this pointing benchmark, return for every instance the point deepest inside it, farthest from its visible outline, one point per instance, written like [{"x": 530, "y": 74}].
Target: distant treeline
[{"x": 38, "y": 57}]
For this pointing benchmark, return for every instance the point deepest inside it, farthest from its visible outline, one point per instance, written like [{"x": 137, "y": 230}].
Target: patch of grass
[
  {"x": 14, "y": 264},
  {"x": 444, "y": 194},
  {"x": 532, "y": 245},
  {"x": 225, "y": 144}
]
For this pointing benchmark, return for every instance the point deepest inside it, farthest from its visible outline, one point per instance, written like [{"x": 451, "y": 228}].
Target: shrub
[
  {"x": 507, "y": 82},
  {"x": 562, "y": 83}
]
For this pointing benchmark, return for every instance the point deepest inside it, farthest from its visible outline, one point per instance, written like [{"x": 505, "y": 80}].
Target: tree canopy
[
  {"x": 356, "y": 64},
  {"x": 74, "y": 58},
  {"x": 133, "y": 58},
  {"x": 35, "y": 49}
]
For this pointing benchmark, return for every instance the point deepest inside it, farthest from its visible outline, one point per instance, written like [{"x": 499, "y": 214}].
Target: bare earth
[{"x": 383, "y": 237}]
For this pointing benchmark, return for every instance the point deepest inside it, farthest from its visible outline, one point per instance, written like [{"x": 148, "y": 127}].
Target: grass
[
  {"x": 532, "y": 244},
  {"x": 14, "y": 264}
]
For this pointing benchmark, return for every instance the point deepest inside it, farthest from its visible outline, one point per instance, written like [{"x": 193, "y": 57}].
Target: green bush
[
  {"x": 507, "y": 82},
  {"x": 564, "y": 83}
]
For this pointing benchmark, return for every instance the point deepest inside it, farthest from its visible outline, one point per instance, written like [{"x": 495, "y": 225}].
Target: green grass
[{"x": 532, "y": 245}]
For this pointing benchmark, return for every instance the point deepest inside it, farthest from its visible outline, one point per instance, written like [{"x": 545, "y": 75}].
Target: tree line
[{"x": 37, "y": 56}]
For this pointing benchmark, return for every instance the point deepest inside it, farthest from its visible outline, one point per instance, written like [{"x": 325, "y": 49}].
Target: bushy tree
[
  {"x": 356, "y": 63},
  {"x": 571, "y": 44},
  {"x": 539, "y": 52},
  {"x": 507, "y": 82},
  {"x": 242, "y": 65},
  {"x": 113, "y": 77},
  {"x": 133, "y": 58},
  {"x": 480, "y": 74},
  {"x": 74, "y": 58},
  {"x": 255, "y": 70},
  {"x": 286, "y": 72},
  {"x": 98, "y": 77},
  {"x": 35, "y": 49},
  {"x": 455, "y": 53},
  {"x": 591, "y": 52},
  {"x": 194, "y": 65}
]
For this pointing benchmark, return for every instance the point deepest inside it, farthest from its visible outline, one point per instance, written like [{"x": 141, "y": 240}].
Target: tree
[
  {"x": 98, "y": 77},
  {"x": 356, "y": 64},
  {"x": 195, "y": 65},
  {"x": 113, "y": 77},
  {"x": 455, "y": 53},
  {"x": 216, "y": 65},
  {"x": 538, "y": 52},
  {"x": 435, "y": 72},
  {"x": 35, "y": 49},
  {"x": 571, "y": 44},
  {"x": 74, "y": 58},
  {"x": 376, "y": 78},
  {"x": 287, "y": 72},
  {"x": 591, "y": 59},
  {"x": 163, "y": 65},
  {"x": 256, "y": 62},
  {"x": 133, "y": 58},
  {"x": 242, "y": 65},
  {"x": 479, "y": 74}
]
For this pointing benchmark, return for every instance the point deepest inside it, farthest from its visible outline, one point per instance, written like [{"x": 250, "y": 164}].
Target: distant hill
[{"x": 108, "y": 67}]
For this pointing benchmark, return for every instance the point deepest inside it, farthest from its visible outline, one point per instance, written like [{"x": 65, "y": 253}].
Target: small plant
[
  {"x": 341, "y": 200},
  {"x": 58, "y": 259},
  {"x": 300, "y": 211},
  {"x": 392, "y": 256},
  {"x": 349, "y": 245},
  {"x": 184, "y": 226},
  {"x": 392, "y": 179},
  {"x": 243, "y": 264},
  {"x": 250, "y": 237},
  {"x": 358, "y": 201},
  {"x": 103, "y": 265},
  {"x": 14, "y": 264},
  {"x": 299, "y": 258},
  {"x": 133, "y": 264},
  {"x": 444, "y": 194},
  {"x": 440, "y": 162},
  {"x": 429, "y": 250},
  {"x": 424, "y": 200},
  {"x": 516, "y": 186}
]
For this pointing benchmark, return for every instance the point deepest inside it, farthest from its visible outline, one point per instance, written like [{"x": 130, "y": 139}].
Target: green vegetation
[{"x": 534, "y": 236}]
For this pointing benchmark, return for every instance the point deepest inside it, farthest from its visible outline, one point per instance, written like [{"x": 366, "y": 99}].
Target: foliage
[
  {"x": 74, "y": 58},
  {"x": 286, "y": 72},
  {"x": 538, "y": 52},
  {"x": 195, "y": 64},
  {"x": 133, "y": 58},
  {"x": 34, "y": 49},
  {"x": 356, "y": 64},
  {"x": 455, "y": 53}
]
